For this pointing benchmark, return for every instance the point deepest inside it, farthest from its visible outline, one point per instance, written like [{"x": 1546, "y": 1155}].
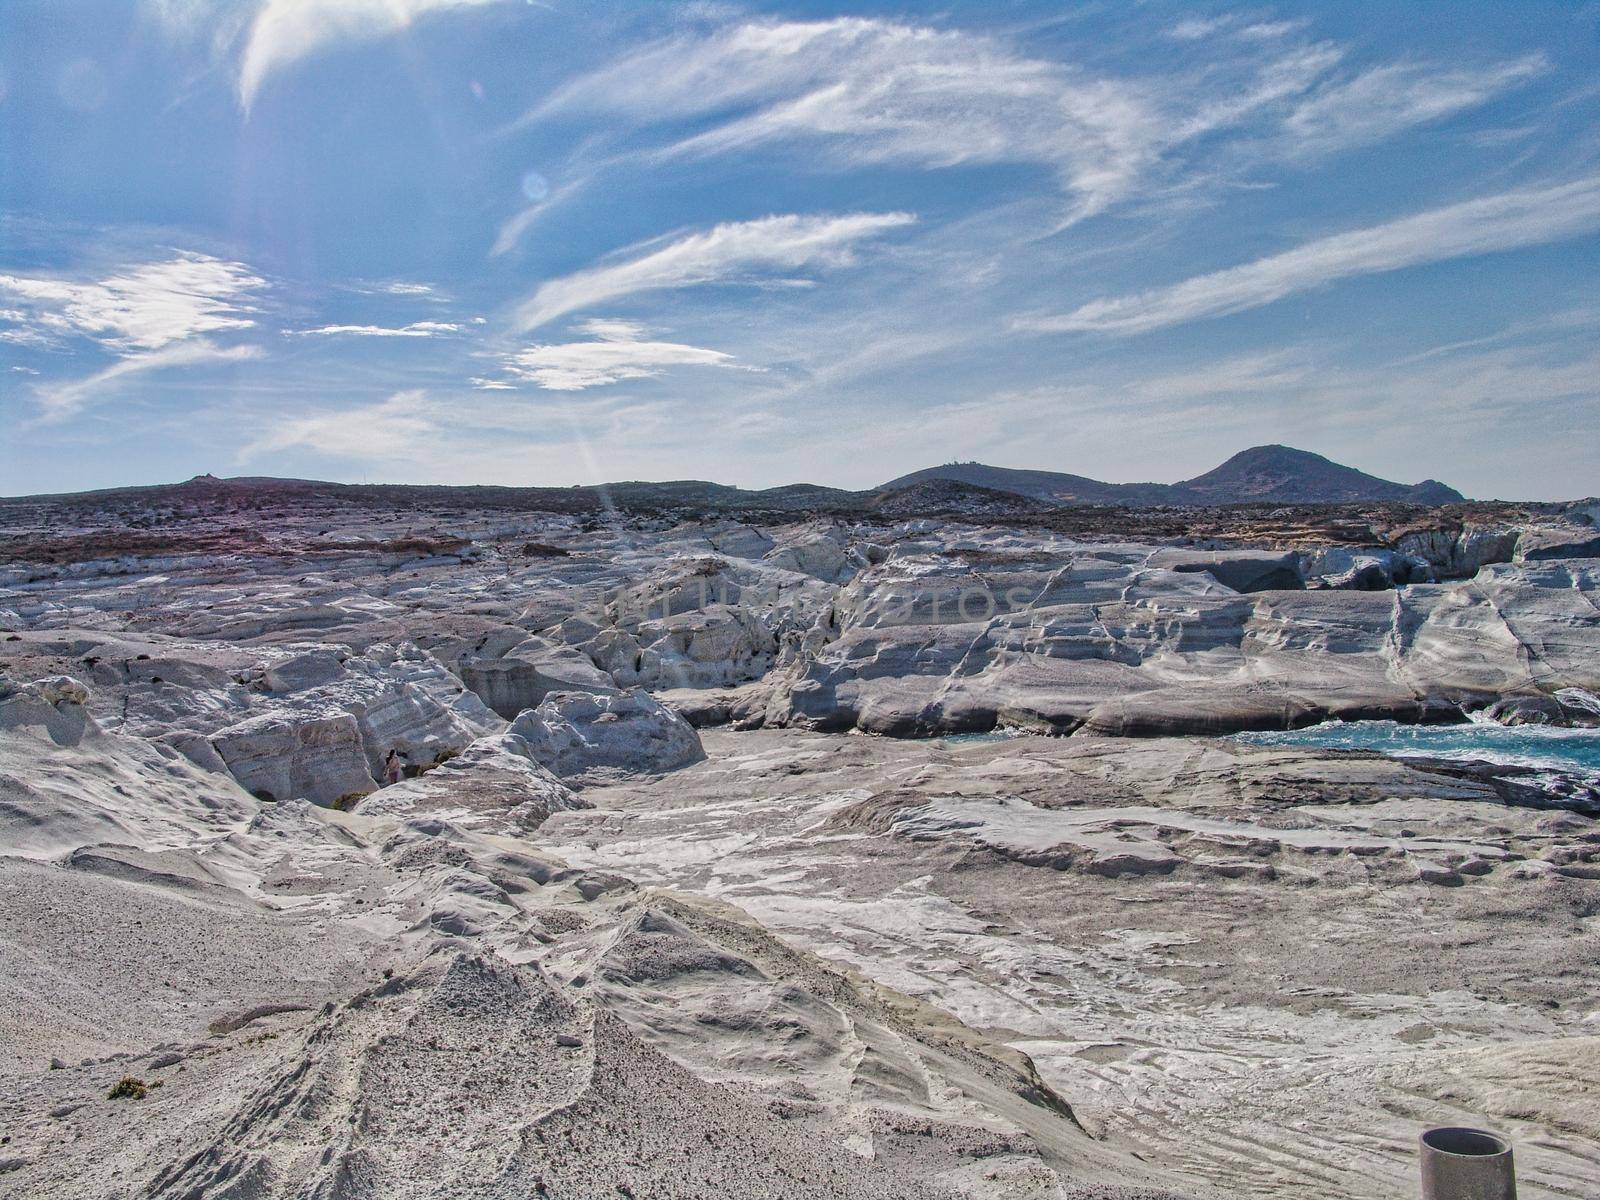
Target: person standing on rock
[{"x": 394, "y": 768}]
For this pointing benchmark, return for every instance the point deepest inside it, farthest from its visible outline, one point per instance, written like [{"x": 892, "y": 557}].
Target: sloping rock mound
[
  {"x": 815, "y": 552},
  {"x": 301, "y": 721},
  {"x": 574, "y": 733},
  {"x": 493, "y": 785},
  {"x": 55, "y": 704},
  {"x": 734, "y": 1003},
  {"x": 474, "y": 1078}
]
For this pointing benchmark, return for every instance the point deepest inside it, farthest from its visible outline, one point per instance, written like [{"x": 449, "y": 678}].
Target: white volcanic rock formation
[
  {"x": 1365, "y": 569},
  {"x": 952, "y": 642},
  {"x": 946, "y": 627},
  {"x": 576, "y": 733},
  {"x": 1040, "y": 968},
  {"x": 697, "y": 621},
  {"x": 294, "y": 721},
  {"x": 1237, "y": 570},
  {"x": 492, "y": 785},
  {"x": 821, "y": 553},
  {"x": 410, "y": 1000},
  {"x": 1204, "y": 946},
  {"x": 522, "y": 675}
]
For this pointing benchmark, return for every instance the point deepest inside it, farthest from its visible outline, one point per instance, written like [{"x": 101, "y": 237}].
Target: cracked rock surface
[{"x": 431, "y": 850}]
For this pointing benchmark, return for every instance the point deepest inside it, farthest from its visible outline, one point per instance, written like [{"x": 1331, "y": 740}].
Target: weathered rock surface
[
  {"x": 924, "y": 647},
  {"x": 574, "y": 733},
  {"x": 523, "y": 675},
  {"x": 1198, "y": 942},
  {"x": 412, "y": 1000},
  {"x": 951, "y": 961},
  {"x": 298, "y": 721},
  {"x": 494, "y": 784},
  {"x": 1372, "y": 570},
  {"x": 1567, "y": 708},
  {"x": 1238, "y": 570}
]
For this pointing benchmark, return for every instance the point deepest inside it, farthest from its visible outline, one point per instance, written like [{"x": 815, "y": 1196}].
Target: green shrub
[{"x": 129, "y": 1088}]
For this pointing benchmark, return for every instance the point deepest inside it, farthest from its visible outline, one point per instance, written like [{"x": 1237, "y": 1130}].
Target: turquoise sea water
[
  {"x": 994, "y": 735},
  {"x": 1569, "y": 750}
]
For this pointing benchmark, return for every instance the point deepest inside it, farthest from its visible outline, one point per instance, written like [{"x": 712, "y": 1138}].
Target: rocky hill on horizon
[
  {"x": 1269, "y": 474},
  {"x": 1260, "y": 475}
]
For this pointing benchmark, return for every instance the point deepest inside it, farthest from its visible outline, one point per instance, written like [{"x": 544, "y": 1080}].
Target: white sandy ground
[
  {"x": 336, "y": 1005},
  {"x": 1284, "y": 1008},
  {"x": 1248, "y": 971}
]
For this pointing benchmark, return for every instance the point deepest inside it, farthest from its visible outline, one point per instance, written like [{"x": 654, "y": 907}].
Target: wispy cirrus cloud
[
  {"x": 59, "y": 401},
  {"x": 402, "y": 428},
  {"x": 1505, "y": 221},
  {"x": 1380, "y": 101},
  {"x": 1193, "y": 29},
  {"x": 153, "y": 316},
  {"x": 285, "y": 31},
  {"x": 617, "y": 350},
  {"x": 513, "y": 229},
  {"x": 1196, "y": 29},
  {"x": 141, "y": 307},
  {"x": 719, "y": 254},
  {"x": 873, "y": 91},
  {"x": 268, "y": 35},
  {"x": 876, "y": 91},
  {"x": 417, "y": 329}
]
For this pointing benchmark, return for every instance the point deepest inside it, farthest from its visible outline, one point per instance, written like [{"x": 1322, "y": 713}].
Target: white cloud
[
  {"x": 285, "y": 31},
  {"x": 872, "y": 91},
  {"x": 402, "y": 428},
  {"x": 1195, "y": 28},
  {"x": 25, "y": 332},
  {"x": 513, "y": 229},
  {"x": 409, "y": 289},
  {"x": 1381, "y": 101},
  {"x": 619, "y": 351},
  {"x": 143, "y": 307},
  {"x": 62, "y": 400},
  {"x": 414, "y": 330},
  {"x": 267, "y": 35},
  {"x": 1504, "y": 221},
  {"x": 1267, "y": 30},
  {"x": 717, "y": 254}
]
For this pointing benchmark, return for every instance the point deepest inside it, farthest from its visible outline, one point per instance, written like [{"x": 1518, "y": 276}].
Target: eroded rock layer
[{"x": 364, "y": 849}]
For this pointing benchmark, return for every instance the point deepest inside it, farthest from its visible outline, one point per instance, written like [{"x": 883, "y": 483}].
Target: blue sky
[{"x": 505, "y": 242}]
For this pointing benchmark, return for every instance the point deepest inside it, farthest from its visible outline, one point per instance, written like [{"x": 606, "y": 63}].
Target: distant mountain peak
[{"x": 1267, "y": 474}]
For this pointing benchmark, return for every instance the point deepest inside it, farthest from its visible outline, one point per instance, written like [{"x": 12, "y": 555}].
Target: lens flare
[{"x": 535, "y": 186}]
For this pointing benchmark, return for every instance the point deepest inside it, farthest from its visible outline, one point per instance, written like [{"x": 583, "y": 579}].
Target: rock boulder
[{"x": 575, "y": 733}]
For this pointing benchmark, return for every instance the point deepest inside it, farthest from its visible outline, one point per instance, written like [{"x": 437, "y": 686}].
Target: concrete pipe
[{"x": 1466, "y": 1164}]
